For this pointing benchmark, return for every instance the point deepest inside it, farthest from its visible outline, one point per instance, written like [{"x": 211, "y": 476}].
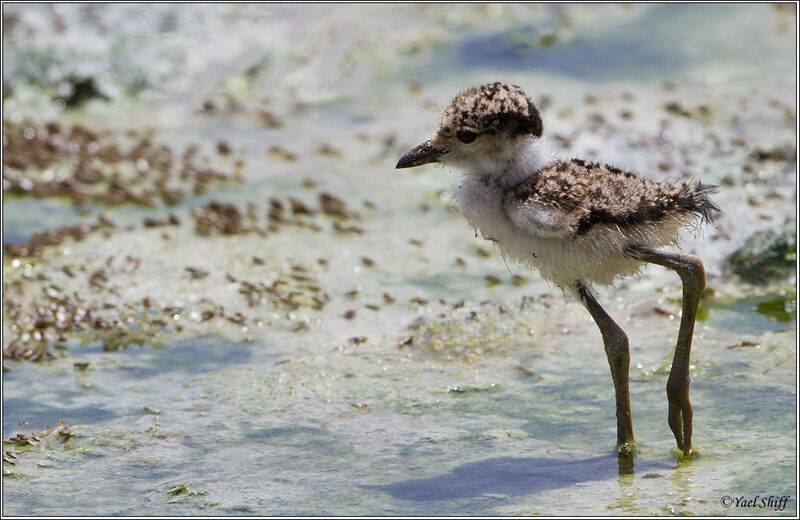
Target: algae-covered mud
[{"x": 220, "y": 298}]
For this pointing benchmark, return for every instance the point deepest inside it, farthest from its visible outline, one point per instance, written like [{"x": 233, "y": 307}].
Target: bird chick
[{"x": 577, "y": 222}]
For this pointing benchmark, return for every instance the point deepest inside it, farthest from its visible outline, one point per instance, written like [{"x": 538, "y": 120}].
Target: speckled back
[{"x": 593, "y": 193}]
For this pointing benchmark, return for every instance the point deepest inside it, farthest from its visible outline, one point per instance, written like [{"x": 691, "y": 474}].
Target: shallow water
[{"x": 500, "y": 406}]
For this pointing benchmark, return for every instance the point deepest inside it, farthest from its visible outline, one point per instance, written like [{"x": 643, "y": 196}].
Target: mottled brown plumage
[
  {"x": 589, "y": 193},
  {"x": 490, "y": 109}
]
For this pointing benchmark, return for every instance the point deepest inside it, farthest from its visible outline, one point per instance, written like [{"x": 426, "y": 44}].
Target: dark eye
[{"x": 466, "y": 136}]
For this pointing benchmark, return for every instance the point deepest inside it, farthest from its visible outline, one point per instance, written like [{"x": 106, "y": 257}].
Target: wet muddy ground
[{"x": 220, "y": 298}]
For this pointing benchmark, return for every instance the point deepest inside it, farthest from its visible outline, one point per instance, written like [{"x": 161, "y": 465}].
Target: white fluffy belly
[{"x": 594, "y": 257}]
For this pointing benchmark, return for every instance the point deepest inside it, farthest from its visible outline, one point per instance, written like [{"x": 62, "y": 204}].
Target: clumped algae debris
[
  {"x": 52, "y": 298},
  {"x": 103, "y": 167},
  {"x": 178, "y": 490},
  {"x": 781, "y": 307},
  {"x": 765, "y": 256},
  {"x": 183, "y": 492},
  {"x": 52, "y": 437}
]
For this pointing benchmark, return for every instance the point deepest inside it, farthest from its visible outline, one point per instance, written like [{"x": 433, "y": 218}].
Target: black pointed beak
[{"x": 419, "y": 155}]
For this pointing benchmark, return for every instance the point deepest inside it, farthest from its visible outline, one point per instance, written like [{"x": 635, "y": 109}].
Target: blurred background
[{"x": 220, "y": 298}]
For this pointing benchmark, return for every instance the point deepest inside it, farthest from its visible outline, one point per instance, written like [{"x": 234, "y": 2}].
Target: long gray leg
[
  {"x": 690, "y": 269},
  {"x": 616, "y": 345}
]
